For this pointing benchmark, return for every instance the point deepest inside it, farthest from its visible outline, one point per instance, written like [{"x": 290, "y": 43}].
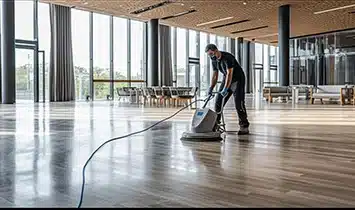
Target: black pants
[{"x": 237, "y": 89}]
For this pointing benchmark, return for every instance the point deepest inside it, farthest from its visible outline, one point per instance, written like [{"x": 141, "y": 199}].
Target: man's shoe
[{"x": 243, "y": 131}]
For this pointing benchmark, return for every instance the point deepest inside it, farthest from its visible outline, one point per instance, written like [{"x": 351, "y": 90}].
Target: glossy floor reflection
[{"x": 302, "y": 156}]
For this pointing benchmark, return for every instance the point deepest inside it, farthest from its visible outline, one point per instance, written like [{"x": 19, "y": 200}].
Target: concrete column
[
  {"x": 153, "y": 53},
  {"x": 239, "y": 53},
  {"x": 284, "y": 45},
  {"x": 245, "y": 63},
  {"x": 232, "y": 46},
  {"x": 251, "y": 75},
  {"x": 8, "y": 70}
]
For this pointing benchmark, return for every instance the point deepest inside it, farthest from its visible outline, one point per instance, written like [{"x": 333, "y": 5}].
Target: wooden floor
[{"x": 301, "y": 156}]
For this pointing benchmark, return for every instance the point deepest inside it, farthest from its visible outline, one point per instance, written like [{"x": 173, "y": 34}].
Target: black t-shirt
[{"x": 226, "y": 62}]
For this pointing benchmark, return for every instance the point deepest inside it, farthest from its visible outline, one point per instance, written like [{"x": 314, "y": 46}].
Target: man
[{"x": 233, "y": 83}]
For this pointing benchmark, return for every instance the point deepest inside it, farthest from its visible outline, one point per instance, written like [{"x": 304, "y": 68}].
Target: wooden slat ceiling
[{"x": 259, "y": 13}]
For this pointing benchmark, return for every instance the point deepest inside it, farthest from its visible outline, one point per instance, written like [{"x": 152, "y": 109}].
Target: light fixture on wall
[
  {"x": 334, "y": 9},
  {"x": 214, "y": 21}
]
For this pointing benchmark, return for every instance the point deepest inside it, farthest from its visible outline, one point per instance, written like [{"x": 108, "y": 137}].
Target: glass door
[{"x": 25, "y": 68}]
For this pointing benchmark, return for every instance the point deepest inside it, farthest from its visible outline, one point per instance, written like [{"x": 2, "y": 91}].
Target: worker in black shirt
[{"x": 233, "y": 83}]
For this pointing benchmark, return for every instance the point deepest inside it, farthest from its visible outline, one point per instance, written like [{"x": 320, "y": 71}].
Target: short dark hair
[{"x": 211, "y": 47}]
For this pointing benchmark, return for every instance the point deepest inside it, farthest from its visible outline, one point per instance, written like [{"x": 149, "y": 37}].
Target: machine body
[{"x": 203, "y": 125}]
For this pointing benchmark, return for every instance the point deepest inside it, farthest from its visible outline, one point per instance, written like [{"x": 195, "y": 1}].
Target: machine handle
[{"x": 210, "y": 96}]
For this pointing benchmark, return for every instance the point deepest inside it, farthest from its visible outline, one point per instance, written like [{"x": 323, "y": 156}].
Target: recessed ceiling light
[
  {"x": 334, "y": 9},
  {"x": 214, "y": 21},
  {"x": 244, "y": 3},
  {"x": 182, "y": 4}
]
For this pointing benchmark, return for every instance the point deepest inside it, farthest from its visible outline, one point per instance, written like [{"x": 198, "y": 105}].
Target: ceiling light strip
[
  {"x": 179, "y": 14},
  {"x": 214, "y": 21},
  {"x": 251, "y": 29},
  {"x": 267, "y": 35},
  {"x": 151, "y": 7},
  {"x": 229, "y": 24},
  {"x": 334, "y": 9}
]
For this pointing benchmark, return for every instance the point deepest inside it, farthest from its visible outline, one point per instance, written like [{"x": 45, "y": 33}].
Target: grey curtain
[
  {"x": 61, "y": 71},
  {"x": 165, "y": 60}
]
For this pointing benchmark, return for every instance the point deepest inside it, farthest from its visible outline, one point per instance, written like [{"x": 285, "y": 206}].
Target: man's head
[{"x": 212, "y": 51}]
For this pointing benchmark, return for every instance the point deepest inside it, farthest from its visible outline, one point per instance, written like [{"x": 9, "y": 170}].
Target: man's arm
[
  {"x": 228, "y": 78},
  {"x": 214, "y": 79}
]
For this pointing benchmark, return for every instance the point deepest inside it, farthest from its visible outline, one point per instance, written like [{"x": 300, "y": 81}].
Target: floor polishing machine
[{"x": 203, "y": 126}]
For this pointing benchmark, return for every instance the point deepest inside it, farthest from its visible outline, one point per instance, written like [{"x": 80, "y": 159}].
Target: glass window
[
  {"x": 273, "y": 55},
  {"x": 101, "y": 54},
  {"x": 24, "y": 22},
  {"x": 311, "y": 46},
  {"x": 295, "y": 71},
  {"x": 181, "y": 57},
  {"x": 192, "y": 53},
  {"x": 303, "y": 71},
  {"x": 137, "y": 51},
  {"x": 204, "y": 79},
  {"x": 277, "y": 63},
  {"x": 303, "y": 47},
  {"x": 350, "y": 69},
  {"x": 221, "y": 42},
  {"x": 81, "y": 52},
  {"x": 273, "y": 65},
  {"x": 329, "y": 44},
  {"x": 258, "y": 53},
  {"x": 213, "y": 39},
  {"x": 266, "y": 65},
  {"x": 292, "y": 47},
  {"x": 44, "y": 42},
  {"x": 193, "y": 44},
  {"x": 173, "y": 51},
  {"x": 24, "y": 74},
  {"x": 120, "y": 46}
]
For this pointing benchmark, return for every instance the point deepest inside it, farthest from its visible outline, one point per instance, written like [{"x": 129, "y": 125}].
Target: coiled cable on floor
[{"x": 125, "y": 136}]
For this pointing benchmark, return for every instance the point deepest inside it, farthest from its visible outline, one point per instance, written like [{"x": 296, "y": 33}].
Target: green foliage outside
[{"x": 24, "y": 81}]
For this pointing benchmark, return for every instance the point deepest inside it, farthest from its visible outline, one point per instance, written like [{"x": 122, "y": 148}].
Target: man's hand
[
  {"x": 209, "y": 91},
  {"x": 224, "y": 92}
]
